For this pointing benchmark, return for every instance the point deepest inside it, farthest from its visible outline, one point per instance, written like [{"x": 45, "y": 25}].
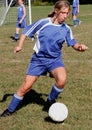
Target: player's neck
[{"x": 55, "y": 21}]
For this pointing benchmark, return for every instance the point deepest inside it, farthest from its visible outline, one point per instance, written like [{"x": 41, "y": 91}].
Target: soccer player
[
  {"x": 51, "y": 33},
  {"x": 21, "y": 19},
  {"x": 75, "y": 11}
]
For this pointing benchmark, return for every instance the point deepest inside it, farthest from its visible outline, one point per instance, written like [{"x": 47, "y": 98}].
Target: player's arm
[
  {"x": 20, "y": 43},
  {"x": 80, "y": 47},
  {"x": 72, "y": 42},
  {"x": 24, "y": 10},
  {"x": 78, "y": 6},
  {"x": 29, "y": 31}
]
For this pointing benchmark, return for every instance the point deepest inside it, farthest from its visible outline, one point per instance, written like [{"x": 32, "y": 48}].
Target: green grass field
[{"x": 77, "y": 94}]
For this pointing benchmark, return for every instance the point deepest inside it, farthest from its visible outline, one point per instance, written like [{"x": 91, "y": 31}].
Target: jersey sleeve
[
  {"x": 70, "y": 38},
  {"x": 34, "y": 27}
]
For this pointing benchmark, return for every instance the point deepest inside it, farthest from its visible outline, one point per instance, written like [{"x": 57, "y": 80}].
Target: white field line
[
  {"x": 15, "y": 61},
  {"x": 69, "y": 61},
  {"x": 85, "y": 14},
  {"x": 79, "y": 61},
  {"x": 82, "y": 33}
]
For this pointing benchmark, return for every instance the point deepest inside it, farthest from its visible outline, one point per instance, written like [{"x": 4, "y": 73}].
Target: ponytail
[{"x": 51, "y": 14}]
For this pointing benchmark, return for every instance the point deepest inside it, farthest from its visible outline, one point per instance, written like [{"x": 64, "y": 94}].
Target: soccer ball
[{"x": 58, "y": 112}]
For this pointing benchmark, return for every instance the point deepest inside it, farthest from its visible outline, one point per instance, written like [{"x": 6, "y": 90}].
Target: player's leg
[
  {"x": 74, "y": 13},
  {"x": 26, "y": 86},
  {"x": 60, "y": 77},
  {"x": 16, "y": 36},
  {"x": 78, "y": 21},
  {"x": 74, "y": 21}
]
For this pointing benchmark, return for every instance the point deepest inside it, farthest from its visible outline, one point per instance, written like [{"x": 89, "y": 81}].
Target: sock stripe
[{"x": 18, "y": 97}]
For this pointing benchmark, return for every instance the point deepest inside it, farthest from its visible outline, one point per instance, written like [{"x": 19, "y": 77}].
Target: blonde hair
[{"x": 60, "y": 4}]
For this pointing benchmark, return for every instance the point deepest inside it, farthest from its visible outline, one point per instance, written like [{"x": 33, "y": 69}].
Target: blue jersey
[
  {"x": 75, "y": 3},
  {"x": 20, "y": 11},
  {"x": 49, "y": 37},
  {"x": 19, "y": 17}
]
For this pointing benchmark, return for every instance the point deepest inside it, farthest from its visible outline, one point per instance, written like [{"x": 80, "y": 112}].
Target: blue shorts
[
  {"x": 21, "y": 25},
  {"x": 40, "y": 66},
  {"x": 74, "y": 11}
]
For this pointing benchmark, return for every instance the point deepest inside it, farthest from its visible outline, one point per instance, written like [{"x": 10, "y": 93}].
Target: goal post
[
  {"x": 8, "y": 12},
  {"x": 5, "y": 13},
  {"x": 30, "y": 11}
]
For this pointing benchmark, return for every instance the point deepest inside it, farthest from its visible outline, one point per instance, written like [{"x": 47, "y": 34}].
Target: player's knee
[{"x": 61, "y": 83}]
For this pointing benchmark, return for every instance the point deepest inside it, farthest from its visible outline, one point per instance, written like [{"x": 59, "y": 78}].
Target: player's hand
[
  {"x": 20, "y": 21},
  {"x": 17, "y": 49},
  {"x": 82, "y": 47}
]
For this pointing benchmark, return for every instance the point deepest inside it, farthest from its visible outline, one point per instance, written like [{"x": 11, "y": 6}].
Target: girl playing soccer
[
  {"x": 51, "y": 33},
  {"x": 21, "y": 19}
]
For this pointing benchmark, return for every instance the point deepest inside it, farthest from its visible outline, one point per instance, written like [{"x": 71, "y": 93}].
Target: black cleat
[
  {"x": 14, "y": 39},
  {"x": 48, "y": 104},
  {"x": 6, "y": 113}
]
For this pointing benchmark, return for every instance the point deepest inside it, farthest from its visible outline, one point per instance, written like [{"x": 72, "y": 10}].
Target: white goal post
[{"x": 8, "y": 12}]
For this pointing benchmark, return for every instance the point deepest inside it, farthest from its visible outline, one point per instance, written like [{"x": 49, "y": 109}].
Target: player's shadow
[
  {"x": 31, "y": 97},
  {"x": 48, "y": 119},
  {"x": 5, "y": 97}
]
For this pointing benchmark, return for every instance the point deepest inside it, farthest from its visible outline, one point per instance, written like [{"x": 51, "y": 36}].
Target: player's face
[
  {"x": 20, "y": 2},
  {"x": 62, "y": 15}
]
